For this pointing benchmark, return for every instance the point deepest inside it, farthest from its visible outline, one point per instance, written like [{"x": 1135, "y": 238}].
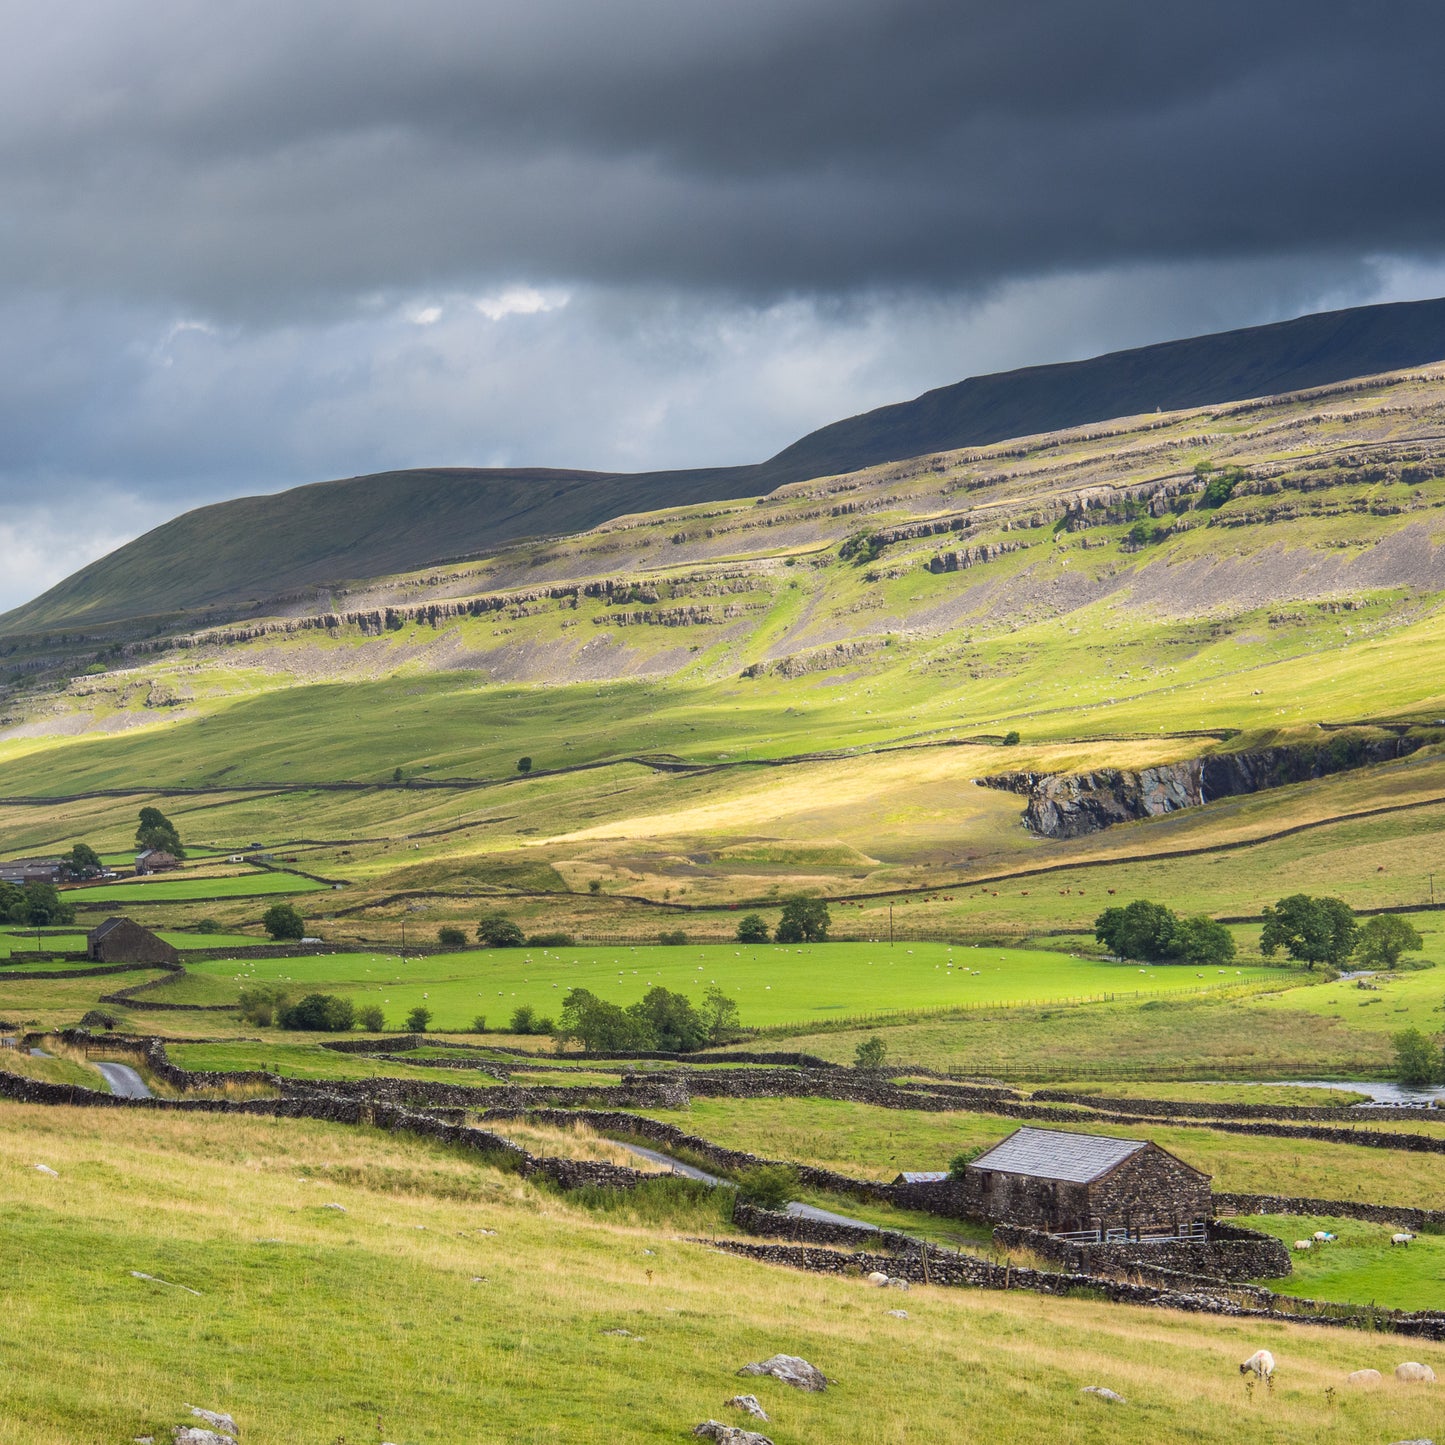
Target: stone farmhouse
[
  {"x": 1091, "y": 1185},
  {"x": 119, "y": 940},
  {"x": 154, "y": 860}
]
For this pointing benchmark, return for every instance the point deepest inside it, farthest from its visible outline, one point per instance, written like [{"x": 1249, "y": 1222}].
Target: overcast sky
[{"x": 250, "y": 245}]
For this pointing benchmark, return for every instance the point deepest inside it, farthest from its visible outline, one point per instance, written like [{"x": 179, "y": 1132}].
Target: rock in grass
[
  {"x": 194, "y": 1435},
  {"x": 1105, "y": 1394},
  {"x": 899, "y": 1314},
  {"x": 1414, "y": 1373},
  {"x": 46, "y": 1169},
  {"x": 750, "y": 1404},
  {"x": 215, "y": 1419},
  {"x": 878, "y": 1279},
  {"x": 791, "y": 1371},
  {"x": 728, "y": 1434}
]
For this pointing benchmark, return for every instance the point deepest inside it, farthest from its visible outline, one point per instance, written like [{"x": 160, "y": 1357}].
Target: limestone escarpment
[{"x": 1070, "y": 805}]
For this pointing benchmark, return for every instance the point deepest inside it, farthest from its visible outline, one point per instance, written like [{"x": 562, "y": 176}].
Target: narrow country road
[
  {"x": 802, "y": 1211},
  {"x": 124, "y": 1081}
]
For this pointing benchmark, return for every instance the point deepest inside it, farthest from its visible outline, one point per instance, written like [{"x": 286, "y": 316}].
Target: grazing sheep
[
  {"x": 1261, "y": 1362},
  {"x": 1304, "y": 1244},
  {"x": 1364, "y": 1377},
  {"x": 1401, "y": 1238},
  {"x": 1323, "y": 1236},
  {"x": 1414, "y": 1373}
]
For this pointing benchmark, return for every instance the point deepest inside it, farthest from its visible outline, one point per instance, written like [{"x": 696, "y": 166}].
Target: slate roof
[
  {"x": 108, "y": 926},
  {"x": 1054, "y": 1154},
  {"x": 927, "y": 1176}
]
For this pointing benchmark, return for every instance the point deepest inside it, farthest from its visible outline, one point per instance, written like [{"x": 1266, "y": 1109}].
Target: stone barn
[
  {"x": 119, "y": 940},
  {"x": 1091, "y": 1184}
]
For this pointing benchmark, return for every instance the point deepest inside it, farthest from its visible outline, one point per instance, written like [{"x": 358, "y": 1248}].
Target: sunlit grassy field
[
  {"x": 434, "y": 1330},
  {"x": 174, "y": 888},
  {"x": 772, "y": 984},
  {"x": 1360, "y": 1266}
]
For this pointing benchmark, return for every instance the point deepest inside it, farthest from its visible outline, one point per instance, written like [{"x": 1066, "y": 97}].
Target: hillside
[{"x": 235, "y": 555}]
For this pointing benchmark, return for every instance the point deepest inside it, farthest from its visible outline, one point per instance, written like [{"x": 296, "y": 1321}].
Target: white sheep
[
  {"x": 1323, "y": 1236},
  {"x": 1414, "y": 1373},
  {"x": 1304, "y": 1244},
  {"x": 1401, "y": 1238},
  {"x": 1261, "y": 1362}
]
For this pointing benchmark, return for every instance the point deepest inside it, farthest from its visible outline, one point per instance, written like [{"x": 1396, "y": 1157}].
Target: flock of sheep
[
  {"x": 1323, "y": 1236},
  {"x": 1261, "y": 1365}
]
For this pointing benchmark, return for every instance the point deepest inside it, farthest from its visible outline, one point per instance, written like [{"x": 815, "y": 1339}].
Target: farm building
[
  {"x": 155, "y": 860},
  {"x": 119, "y": 940},
  {"x": 32, "y": 870},
  {"x": 1088, "y": 1183}
]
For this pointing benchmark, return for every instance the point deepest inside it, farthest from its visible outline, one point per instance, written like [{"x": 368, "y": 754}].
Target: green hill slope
[{"x": 238, "y": 553}]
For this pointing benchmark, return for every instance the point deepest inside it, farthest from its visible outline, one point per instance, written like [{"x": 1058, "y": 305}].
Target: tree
[
  {"x": 1384, "y": 938},
  {"x": 870, "y": 1054},
  {"x": 595, "y": 886},
  {"x": 1417, "y": 1059},
  {"x": 752, "y": 929},
  {"x": 674, "y": 938},
  {"x": 208, "y": 925},
  {"x": 157, "y": 831},
  {"x": 669, "y": 1021},
  {"x": 319, "y": 1012},
  {"x": 261, "y": 1003},
  {"x": 281, "y": 920},
  {"x": 804, "y": 920},
  {"x": 397, "y": 774},
  {"x": 1011, "y": 739},
  {"x": 524, "y": 1020},
  {"x": 418, "y": 1019},
  {"x": 450, "y": 937},
  {"x": 82, "y": 859},
  {"x": 719, "y": 1016},
  {"x": 42, "y": 906},
  {"x": 597, "y": 1025},
  {"x": 479, "y": 1024},
  {"x": 958, "y": 1165},
  {"x": 1314, "y": 930},
  {"x": 371, "y": 1018},
  {"x": 768, "y": 1186},
  {"x": 524, "y": 765},
  {"x": 551, "y": 940},
  {"x": 1140, "y": 930},
  {"x": 1200, "y": 940},
  {"x": 496, "y": 930}
]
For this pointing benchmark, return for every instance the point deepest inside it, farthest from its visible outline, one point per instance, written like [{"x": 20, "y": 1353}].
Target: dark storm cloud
[
  {"x": 258, "y": 243},
  {"x": 256, "y": 156}
]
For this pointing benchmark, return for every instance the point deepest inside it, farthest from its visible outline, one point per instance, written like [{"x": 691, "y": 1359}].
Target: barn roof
[
  {"x": 923, "y": 1176},
  {"x": 108, "y": 926},
  {"x": 1056, "y": 1154}
]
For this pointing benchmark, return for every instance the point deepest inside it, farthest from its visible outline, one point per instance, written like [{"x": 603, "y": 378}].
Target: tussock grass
[{"x": 314, "y": 1324}]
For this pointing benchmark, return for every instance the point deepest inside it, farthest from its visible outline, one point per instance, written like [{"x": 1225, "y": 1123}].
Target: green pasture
[
  {"x": 452, "y": 1300},
  {"x": 876, "y": 1143},
  {"x": 296, "y": 1057},
  {"x": 772, "y": 984},
  {"x": 13, "y": 939},
  {"x": 1414, "y": 999},
  {"x": 172, "y": 889},
  {"x": 1360, "y": 1266}
]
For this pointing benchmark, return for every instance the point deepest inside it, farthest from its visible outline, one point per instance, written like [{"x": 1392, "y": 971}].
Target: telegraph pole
[{"x": 890, "y": 925}]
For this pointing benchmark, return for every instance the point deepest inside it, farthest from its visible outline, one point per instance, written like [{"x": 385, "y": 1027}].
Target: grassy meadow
[
  {"x": 772, "y": 984},
  {"x": 434, "y": 1328}
]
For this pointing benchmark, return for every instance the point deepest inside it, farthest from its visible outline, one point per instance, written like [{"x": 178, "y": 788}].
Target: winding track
[{"x": 124, "y": 1082}]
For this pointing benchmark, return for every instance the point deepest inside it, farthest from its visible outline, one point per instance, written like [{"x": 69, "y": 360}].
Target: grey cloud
[{"x": 263, "y": 156}]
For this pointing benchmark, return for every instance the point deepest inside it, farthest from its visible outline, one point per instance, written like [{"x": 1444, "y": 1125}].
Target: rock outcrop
[{"x": 1069, "y": 805}]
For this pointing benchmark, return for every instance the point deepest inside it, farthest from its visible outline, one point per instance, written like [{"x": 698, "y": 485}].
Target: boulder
[
  {"x": 728, "y": 1434},
  {"x": 791, "y": 1371},
  {"x": 749, "y": 1404},
  {"x": 1364, "y": 1377},
  {"x": 1414, "y": 1373},
  {"x": 899, "y": 1314},
  {"x": 1105, "y": 1394},
  {"x": 215, "y": 1419},
  {"x": 194, "y": 1435},
  {"x": 878, "y": 1279}
]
